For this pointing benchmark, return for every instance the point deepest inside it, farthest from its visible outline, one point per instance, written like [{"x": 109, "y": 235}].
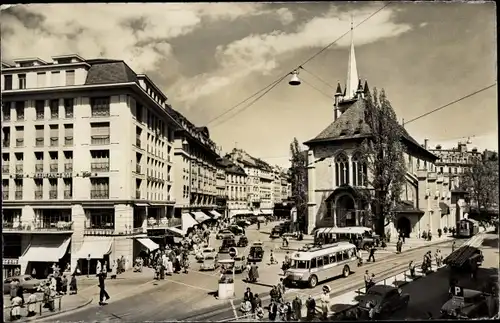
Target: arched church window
[
  {"x": 341, "y": 170},
  {"x": 359, "y": 170}
]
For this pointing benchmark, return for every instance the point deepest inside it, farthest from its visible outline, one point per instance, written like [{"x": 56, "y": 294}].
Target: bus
[
  {"x": 319, "y": 264},
  {"x": 363, "y": 237}
]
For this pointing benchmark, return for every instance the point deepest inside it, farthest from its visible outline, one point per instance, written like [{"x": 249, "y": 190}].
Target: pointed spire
[
  {"x": 338, "y": 92},
  {"x": 360, "y": 86},
  {"x": 367, "y": 89},
  {"x": 352, "y": 69}
]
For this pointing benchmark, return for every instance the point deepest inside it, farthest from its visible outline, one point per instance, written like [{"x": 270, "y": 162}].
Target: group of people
[
  {"x": 170, "y": 261},
  {"x": 369, "y": 280},
  {"x": 253, "y": 272}
]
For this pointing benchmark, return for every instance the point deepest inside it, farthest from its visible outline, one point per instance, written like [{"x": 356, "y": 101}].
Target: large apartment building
[
  {"x": 87, "y": 151},
  {"x": 236, "y": 188}
]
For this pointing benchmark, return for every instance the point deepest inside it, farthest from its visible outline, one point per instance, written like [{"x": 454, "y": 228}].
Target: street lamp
[{"x": 294, "y": 81}]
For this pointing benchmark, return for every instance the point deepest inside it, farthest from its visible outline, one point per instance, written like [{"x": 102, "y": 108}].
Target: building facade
[
  {"x": 195, "y": 167},
  {"x": 236, "y": 188},
  {"x": 338, "y": 179},
  {"x": 86, "y": 159}
]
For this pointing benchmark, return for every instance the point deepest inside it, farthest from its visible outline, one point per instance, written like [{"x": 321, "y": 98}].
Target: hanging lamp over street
[{"x": 294, "y": 81}]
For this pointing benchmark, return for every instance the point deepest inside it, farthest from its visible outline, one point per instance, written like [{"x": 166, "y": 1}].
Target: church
[{"x": 338, "y": 177}]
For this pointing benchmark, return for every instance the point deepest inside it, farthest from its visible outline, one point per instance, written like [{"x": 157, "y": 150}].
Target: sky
[{"x": 208, "y": 57}]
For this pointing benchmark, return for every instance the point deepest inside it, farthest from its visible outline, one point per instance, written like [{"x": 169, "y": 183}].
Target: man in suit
[
  {"x": 273, "y": 310},
  {"x": 103, "y": 295},
  {"x": 248, "y": 296}
]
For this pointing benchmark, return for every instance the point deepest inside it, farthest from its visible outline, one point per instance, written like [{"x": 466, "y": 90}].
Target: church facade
[{"x": 338, "y": 179}]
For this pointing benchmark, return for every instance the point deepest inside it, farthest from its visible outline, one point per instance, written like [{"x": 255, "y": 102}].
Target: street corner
[{"x": 69, "y": 304}]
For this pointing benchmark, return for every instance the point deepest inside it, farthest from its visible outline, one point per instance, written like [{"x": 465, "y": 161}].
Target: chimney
[{"x": 426, "y": 141}]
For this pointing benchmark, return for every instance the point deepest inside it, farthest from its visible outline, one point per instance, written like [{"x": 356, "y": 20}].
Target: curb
[{"x": 41, "y": 318}]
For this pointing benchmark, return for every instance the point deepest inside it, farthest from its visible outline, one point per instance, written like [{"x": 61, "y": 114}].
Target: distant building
[
  {"x": 236, "y": 188},
  {"x": 86, "y": 160},
  {"x": 338, "y": 180}
]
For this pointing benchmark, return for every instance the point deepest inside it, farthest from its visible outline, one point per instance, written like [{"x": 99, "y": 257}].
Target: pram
[{"x": 138, "y": 265}]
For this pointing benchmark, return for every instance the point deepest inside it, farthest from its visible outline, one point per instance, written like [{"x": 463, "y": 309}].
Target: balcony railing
[
  {"x": 68, "y": 167},
  {"x": 20, "y": 117},
  {"x": 138, "y": 194},
  {"x": 38, "y": 226},
  {"x": 69, "y": 113},
  {"x": 99, "y": 167},
  {"x": 68, "y": 194},
  {"x": 138, "y": 169},
  {"x": 5, "y": 193},
  {"x": 99, "y": 140},
  {"x": 68, "y": 141},
  {"x": 19, "y": 142},
  {"x": 54, "y": 115},
  {"x": 53, "y": 194},
  {"x": 5, "y": 168},
  {"x": 99, "y": 194},
  {"x": 38, "y": 195},
  {"x": 19, "y": 169},
  {"x": 54, "y": 168},
  {"x": 39, "y": 142},
  {"x": 164, "y": 222},
  {"x": 54, "y": 141},
  {"x": 6, "y": 143},
  {"x": 99, "y": 113},
  {"x": 40, "y": 116},
  {"x": 6, "y": 117},
  {"x": 138, "y": 142},
  {"x": 38, "y": 168},
  {"x": 19, "y": 195}
]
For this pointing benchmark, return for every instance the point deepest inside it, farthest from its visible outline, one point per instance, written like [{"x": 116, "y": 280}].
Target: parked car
[
  {"x": 205, "y": 252},
  {"x": 276, "y": 232},
  {"x": 385, "y": 299},
  {"x": 209, "y": 263},
  {"x": 236, "y": 230},
  {"x": 239, "y": 264},
  {"x": 243, "y": 241},
  {"x": 227, "y": 244},
  {"x": 224, "y": 234},
  {"x": 475, "y": 305},
  {"x": 243, "y": 223},
  {"x": 256, "y": 252},
  {"x": 27, "y": 282}
]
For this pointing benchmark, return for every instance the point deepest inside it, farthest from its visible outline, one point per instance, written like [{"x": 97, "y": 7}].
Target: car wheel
[
  {"x": 313, "y": 281},
  {"x": 346, "y": 271}
]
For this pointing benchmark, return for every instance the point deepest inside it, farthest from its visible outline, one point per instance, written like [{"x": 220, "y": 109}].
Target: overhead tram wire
[
  {"x": 272, "y": 84},
  {"x": 314, "y": 87},
  {"x": 318, "y": 78},
  {"x": 451, "y": 103},
  {"x": 251, "y": 103}
]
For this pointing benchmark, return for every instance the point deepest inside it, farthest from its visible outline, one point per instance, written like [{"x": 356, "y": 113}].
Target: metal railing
[
  {"x": 38, "y": 226},
  {"x": 99, "y": 194},
  {"x": 39, "y": 142},
  {"x": 38, "y": 168},
  {"x": 5, "y": 168},
  {"x": 40, "y": 308},
  {"x": 19, "y": 142},
  {"x": 19, "y": 195},
  {"x": 138, "y": 142},
  {"x": 19, "y": 169},
  {"x": 54, "y": 141},
  {"x": 100, "y": 140},
  {"x": 6, "y": 143},
  {"x": 5, "y": 193},
  {"x": 99, "y": 167},
  {"x": 68, "y": 167},
  {"x": 40, "y": 115},
  {"x": 100, "y": 112},
  {"x": 138, "y": 169},
  {"x": 68, "y": 141},
  {"x": 164, "y": 222},
  {"x": 54, "y": 167},
  {"x": 53, "y": 194},
  {"x": 38, "y": 195},
  {"x": 68, "y": 195},
  {"x": 138, "y": 194}
]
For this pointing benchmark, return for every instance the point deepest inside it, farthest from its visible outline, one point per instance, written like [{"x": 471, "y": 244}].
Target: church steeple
[{"x": 352, "y": 70}]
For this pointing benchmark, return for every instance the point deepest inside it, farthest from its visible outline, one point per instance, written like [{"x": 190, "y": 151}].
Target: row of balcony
[
  {"x": 54, "y": 141},
  {"x": 37, "y": 226},
  {"x": 54, "y": 168},
  {"x": 53, "y": 194},
  {"x": 54, "y": 115}
]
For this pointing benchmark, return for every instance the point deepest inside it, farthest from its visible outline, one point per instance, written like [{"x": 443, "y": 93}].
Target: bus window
[
  {"x": 313, "y": 263},
  {"x": 326, "y": 260},
  {"x": 332, "y": 258},
  {"x": 350, "y": 252},
  {"x": 345, "y": 255},
  {"x": 301, "y": 264},
  {"x": 341, "y": 256},
  {"x": 319, "y": 262}
]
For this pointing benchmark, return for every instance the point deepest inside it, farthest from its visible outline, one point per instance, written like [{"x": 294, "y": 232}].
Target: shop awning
[
  {"x": 177, "y": 231},
  {"x": 148, "y": 243},
  {"x": 267, "y": 212},
  {"x": 200, "y": 216},
  {"x": 46, "y": 248},
  {"x": 444, "y": 208},
  {"x": 238, "y": 212},
  {"x": 215, "y": 214},
  {"x": 94, "y": 248},
  {"x": 188, "y": 222}
]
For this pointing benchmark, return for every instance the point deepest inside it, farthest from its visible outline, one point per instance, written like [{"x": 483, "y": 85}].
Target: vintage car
[
  {"x": 239, "y": 264},
  {"x": 223, "y": 234},
  {"x": 473, "y": 305},
  {"x": 385, "y": 300},
  {"x": 243, "y": 223},
  {"x": 236, "y": 230},
  {"x": 276, "y": 232},
  {"x": 256, "y": 252},
  {"x": 227, "y": 244},
  {"x": 200, "y": 256},
  {"x": 243, "y": 241},
  {"x": 209, "y": 263},
  {"x": 27, "y": 282}
]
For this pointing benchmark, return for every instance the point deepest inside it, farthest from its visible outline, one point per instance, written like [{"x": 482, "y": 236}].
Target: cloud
[
  {"x": 285, "y": 15},
  {"x": 261, "y": 53},
  {"x": 136, "y": 33},
  {"x": 483, "y": 141}
]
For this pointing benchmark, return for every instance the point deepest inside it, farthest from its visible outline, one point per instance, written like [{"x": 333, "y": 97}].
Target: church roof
[{"x": 352, "y": 125}]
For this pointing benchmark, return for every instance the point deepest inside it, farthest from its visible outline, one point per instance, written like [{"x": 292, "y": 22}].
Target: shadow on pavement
[{"x": 492, "y": 243}]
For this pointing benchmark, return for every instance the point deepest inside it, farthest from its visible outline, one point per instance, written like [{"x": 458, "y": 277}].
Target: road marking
[
  {"x": 196, "y": 287},
  {"x": 234, "y": 309}
]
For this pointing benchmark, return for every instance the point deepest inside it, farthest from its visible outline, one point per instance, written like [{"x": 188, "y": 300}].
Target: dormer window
[
  {"x": 343, "y": 132},
  {"x": 64, "y": 60},
  {"x": 26, "y": 64}
]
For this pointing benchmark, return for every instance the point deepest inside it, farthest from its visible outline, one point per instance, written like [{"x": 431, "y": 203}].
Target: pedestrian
[
  {"x": 64, "y": 284},
  {"x": 105, "y": 269},
  {"x": 16, "y": 308},
  {"x": 17, "y": 271},
  {"x": 367, "y": 280},
  {"x": 14, "y": 285},
  {"x": 98, "y": 268},
  {"x": 20, "y": 292},
  {"x": 258, "y": 225},
  {"x": 48, "y": 297},
  {"x": 114, "y": 269},
  {"x": 259, "y": 312},
  {"x": 288, "y": 313},
  {"x": 103, "y": 294},
  {"x": 399, "y": 245},
  {"x": 371, "y": 282},
  {"x": 297, "y": 308},
  {"x": 274, "y": 293},
  {"x": 31, "y": 302},
  {"x": 248, "y": 295},
  {"x": 311, "y": 308},
  {"x": 33, "y": 273},
  {"x": 273, "y": 310},
  {"x": 372, "y": 254},
  {"x": 73, "y": 288},
  {"x": 429, "y": 235},
  {"x": 411, "y": 266},
  {"x": 453, "y": 245},
  {"x": 271, "y": 258},
  {"x": 325, "y": 303},
  {"x": 256, "y": 302},
  {"x": 281, "y": 288}
]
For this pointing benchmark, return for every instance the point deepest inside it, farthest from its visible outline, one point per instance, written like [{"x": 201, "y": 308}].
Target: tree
[
  {"x": 480, "y": 180},
  {"x": 298, "y": 176},
  {"x": 384, "y": 157}
]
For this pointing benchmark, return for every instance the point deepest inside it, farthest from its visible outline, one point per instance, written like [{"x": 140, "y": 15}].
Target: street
[{"x": 190, "y": 296}]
